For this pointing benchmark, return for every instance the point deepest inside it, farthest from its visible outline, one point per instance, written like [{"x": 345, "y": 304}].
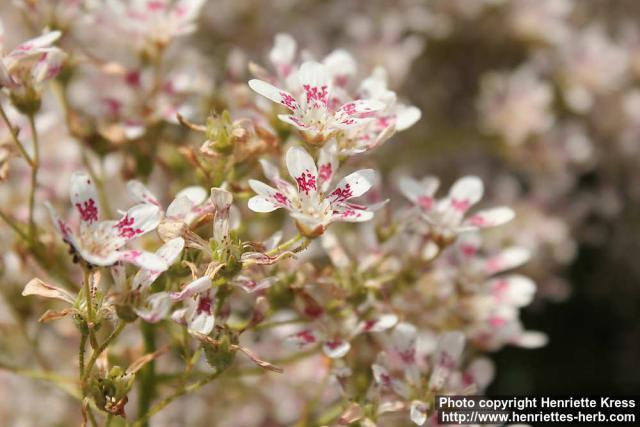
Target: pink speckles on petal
[
  {"x": 342, "y": 194},
  {"x": 460, "y": 205},
  {"x": 88, "y": 211},
  {"x": 289, "y": 101},
  {"x": 478, "y": 221},
  {"x": 126, "y": 229},
  {"x": 131, "y": 256},
  {"x": 325, "y": 172},
  {"x": 156, "y": 5},
  {"x": 315, "y": 95},
  {"x": 425, "y": 202},
  {"x": 408, "y": 356},
  {"x": 305, "y": 337},
  {"x": 281, "y": 199},
  {"x": 497, "y": 321},
  {"x": 306, "y": 182}
]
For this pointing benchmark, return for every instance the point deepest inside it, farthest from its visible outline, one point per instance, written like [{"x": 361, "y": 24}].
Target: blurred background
[{"x": 540, "y": 98}]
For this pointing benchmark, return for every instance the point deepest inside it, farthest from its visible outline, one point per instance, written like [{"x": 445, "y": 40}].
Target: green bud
[{"x": 221, "y": 355}]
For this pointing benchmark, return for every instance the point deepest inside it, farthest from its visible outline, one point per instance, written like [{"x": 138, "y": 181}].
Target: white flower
[
  {"x": 313, "y": 108},
  {"x": 101, "y": 242},
  {"x": 30, "y": 63},
  {"x": 335, "y": 337},
  {"x": 187, "y": 207},
  {"x": 152, "y": 22},
  {"x": 446, "y": 217},
  {"x": 198, "y": 315},
  {"x": 310, "y": 204},
  {"x": 169, "y": 252},
  {"x": 394, "y": 117}
]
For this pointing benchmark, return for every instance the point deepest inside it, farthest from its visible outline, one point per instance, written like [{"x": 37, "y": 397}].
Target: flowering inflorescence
[{"x": 400, "y": 303}]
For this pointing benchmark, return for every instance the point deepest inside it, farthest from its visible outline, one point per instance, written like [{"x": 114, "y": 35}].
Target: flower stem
[
  {"x": 148, "y": 373},
  {"x": 35, "y": 165},
  {"x": 90, "y": 325},
  {"x": 101, "y": 348},
  {"x": 285, "y": 245},
  {"x": 14, "y": 136}
]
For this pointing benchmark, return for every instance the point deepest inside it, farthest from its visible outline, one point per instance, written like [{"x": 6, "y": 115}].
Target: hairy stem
[
  {"x": 14, "y": 136},
  {"x": 101, "y": 348},
  {"x": 89, "y": 302},
  {"x": 35, "y": 165},
  {"x": 147, "y": 383}
]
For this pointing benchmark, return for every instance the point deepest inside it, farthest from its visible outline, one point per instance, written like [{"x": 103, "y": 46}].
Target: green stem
[
  {"x": 285, "y": 245},
  {"x": 101, "y": 348},
  {"x": 147, "y": 384},
  {"x": 90, "y": 318},
  {"x": 81, "y": 353},
  {"x": 143, "y": 420},
  {"x": 35, "y": 165},
  {"x": 14, "y": 136}
]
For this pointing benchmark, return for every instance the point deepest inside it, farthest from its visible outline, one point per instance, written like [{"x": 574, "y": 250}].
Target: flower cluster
[{"x": 271, "y": 224}]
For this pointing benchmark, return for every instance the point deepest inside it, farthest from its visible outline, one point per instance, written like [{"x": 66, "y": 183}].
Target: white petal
[
  {"x": 465, "y": 192},
  {"x": 446, "y": 358},
  {"x": 382, "y": 323},
  {"x": 169, "y": 252},
  {"x": 418, "y": 412},
  {"x": 250, "y": 285},
  {"x": 141, "y": 194},
  {"x": 196, "y": 287},
  {"x": 262, "y": 204},
  {"x": 194, "y": 193},
  {"x": 341, "y": 66},
  {"x": 34, "y": 46},
  {"x": 84, "y": 197},
  {"x": 283, "y": 53},
  {"x": 514, "y": 290},
  {"x": 202, "y": 323},
  {"x": 489, "y": 218},
  {"x": 532, "y": 339},
  {"x": 295, "y": 121},
  {"x": 336, "y": 349},
  {"x": 61, "y": 226},
  {"x": 353, "y": 185},
  {"x": 315, "y": 84},
  {"x": 507, "y": 259},
  {"x": 158, "y": 307},
  {"x": 351, "y": 213},
  {"x": 146, "y": 260},
  {"x": 327, "y": 164},
  {"x": 403, "y": 341},
  {"x": 303, "y": 170},
  {"x": 358, "y": 108},
  {"x": 420, "y": 192},
  {"x": 271, "y": 92},
  {"x": 138, "y": 220},
  {"x": 407, "y": 117},
  {"x": 270, "y": 195},
  {"x": 304, "y": 338},
  {"x": 48, "y": 66}
]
